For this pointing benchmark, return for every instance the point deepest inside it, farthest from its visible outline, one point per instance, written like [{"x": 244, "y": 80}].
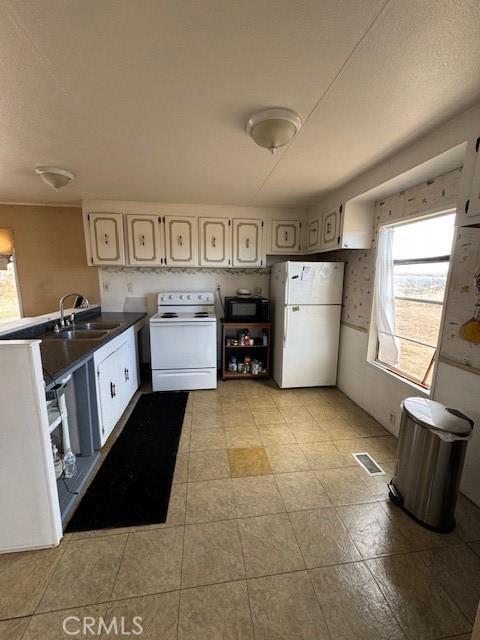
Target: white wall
[
  {"x": 460, "y": 389},
  {"x": 374, "y": 390},
  {"x": 454, "y": 132},
  {"x": 381, "y": 394},
  {"x": 119, "y": 286},
  {"x": 377, "y": 391},
  {"x": 136, "y": 289}
]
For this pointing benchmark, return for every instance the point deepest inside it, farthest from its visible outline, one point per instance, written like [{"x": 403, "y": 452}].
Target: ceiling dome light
[
  {"x": 273, "y": 128},
  {"x": 55, "y": 177}
]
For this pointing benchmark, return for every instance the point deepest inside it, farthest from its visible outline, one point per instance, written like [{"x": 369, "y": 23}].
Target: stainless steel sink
[
  {"x": 96, "y": 325},
  {"x": 77, "y": 334}
]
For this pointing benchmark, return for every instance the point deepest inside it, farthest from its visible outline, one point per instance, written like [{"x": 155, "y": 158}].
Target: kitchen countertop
[{"x": 60, "y": 356}]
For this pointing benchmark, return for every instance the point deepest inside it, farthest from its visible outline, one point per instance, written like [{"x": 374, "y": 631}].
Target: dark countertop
[{"x": 61, "y": 356}]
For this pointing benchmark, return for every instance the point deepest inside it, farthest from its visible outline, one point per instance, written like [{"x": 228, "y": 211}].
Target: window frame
[
  {"x": 13, "y": 261},
  {"x": 373, "y": 352}
]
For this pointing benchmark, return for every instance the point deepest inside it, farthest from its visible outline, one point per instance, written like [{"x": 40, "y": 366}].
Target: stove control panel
[{"x": 186, "y": 298}]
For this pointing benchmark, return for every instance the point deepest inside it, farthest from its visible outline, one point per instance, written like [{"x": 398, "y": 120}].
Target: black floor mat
[{"x": 133, "y": 485}]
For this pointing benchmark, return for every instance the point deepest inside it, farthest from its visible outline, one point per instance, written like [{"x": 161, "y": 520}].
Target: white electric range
[{"x": 183, "y": 341}]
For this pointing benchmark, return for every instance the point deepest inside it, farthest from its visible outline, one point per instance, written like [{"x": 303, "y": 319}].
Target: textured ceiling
[{"x": 147, "y": 100}]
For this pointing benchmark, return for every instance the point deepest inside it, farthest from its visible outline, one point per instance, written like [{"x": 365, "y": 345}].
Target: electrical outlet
[
  {"x": 129, "y": 287},
  {"x": 106, "y": 286}
]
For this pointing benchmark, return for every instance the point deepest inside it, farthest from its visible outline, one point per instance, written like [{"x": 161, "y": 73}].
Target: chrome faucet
[{"x": 64, "y": 322}]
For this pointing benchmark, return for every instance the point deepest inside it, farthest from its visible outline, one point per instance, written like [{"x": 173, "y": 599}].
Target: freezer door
[
  {"x": 310, "y": 350},
  {"x": 314, "y": 283}
]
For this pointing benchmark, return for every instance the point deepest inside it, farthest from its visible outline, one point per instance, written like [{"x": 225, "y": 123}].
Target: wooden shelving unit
[{"x": 258, "y": 351}]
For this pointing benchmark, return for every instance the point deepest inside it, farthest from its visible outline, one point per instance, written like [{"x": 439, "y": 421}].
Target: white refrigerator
[{"x": 307, "y": 300}]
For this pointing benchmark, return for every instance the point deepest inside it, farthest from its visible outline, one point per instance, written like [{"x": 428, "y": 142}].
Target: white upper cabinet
[
  {"x": 331, "y": 221},
  {"x": 181, "y": 241},
  {"x": 215, "y": 242},
  {"x": 469, "y": 201},
  {"x": 313, "y": 235},
  {"x": 285, "y": 236},
  {"x": 106, "y": 238},
  {"x": 356, "y": 221},
  {"x": 341, "y": 227},
  {"x": 145, "y": 240},
  {"x": 248, "y": 243}
]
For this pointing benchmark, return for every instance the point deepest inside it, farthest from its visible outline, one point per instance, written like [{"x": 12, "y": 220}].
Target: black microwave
[{"x": 246, "y": 309}]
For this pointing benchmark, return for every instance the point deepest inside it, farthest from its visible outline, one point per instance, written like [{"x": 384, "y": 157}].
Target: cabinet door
[
  {"x": 145, "y": 240},
  {"x": 331, "y": 229},
  {"x": 110, "y": 394},
  {"x": 181, "y": 241},
  {"x": 313, "y": 235},
  {"x": 129, "y": 371},
  {"x": 472, "y": 205},
  {"x": 106, "y": 238},
  {"x": 247, "y": 243},
  {"x": 215, "y": 242},
  {"x": 285, "y": 236}
]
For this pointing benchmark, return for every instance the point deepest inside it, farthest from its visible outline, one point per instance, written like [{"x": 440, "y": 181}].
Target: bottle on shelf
[{"x": 57, "y": 461}]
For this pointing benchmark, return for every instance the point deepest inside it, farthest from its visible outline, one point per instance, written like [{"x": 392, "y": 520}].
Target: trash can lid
[{"x": 436, "y": 416}]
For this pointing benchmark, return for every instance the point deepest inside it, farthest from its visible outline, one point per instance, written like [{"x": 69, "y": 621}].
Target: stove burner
[
  {"x": 170, "y": 314},
  {"x": 201, "y": 314}
]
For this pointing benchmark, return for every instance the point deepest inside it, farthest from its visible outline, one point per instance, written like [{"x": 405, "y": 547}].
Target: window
[
  {"x": 9, "y": 297},
  {"x": 411, "y": 276}
]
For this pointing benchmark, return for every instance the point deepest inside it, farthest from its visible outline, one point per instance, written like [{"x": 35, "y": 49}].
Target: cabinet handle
[
  {"x": 106, "y": 238},
  {"x": 214, "y": 242},
  {"x": 142, "y": 240},
  {"x": 113, "y": 391},
  {"x": 127, "y": 374},
  {"x": 247, "y": 243},
  {"x": 180, "y": 241}
]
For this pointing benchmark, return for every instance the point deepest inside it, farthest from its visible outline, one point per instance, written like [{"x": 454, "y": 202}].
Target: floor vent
[{"x": 366, "y": 461}]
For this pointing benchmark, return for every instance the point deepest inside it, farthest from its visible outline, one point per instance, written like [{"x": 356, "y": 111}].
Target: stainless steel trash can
[{"x": 430, "y": 455}]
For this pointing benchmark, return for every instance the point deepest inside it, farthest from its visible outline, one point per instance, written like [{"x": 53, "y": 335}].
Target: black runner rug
[{"x": 132, "y": 487}]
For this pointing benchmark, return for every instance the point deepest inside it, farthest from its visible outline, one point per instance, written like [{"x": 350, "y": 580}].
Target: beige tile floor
[{"x": 273, "y": 532}]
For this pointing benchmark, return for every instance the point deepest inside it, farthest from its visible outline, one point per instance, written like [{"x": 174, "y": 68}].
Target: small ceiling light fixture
[
  {"x": 273, "y": 128},
  {"x": 55, "y": 177}
]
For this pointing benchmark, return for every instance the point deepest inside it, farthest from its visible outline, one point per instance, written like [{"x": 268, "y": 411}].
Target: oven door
[{"x": 183, "y": 345}]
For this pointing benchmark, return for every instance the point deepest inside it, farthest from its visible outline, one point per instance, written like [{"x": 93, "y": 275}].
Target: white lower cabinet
[{"x": 116, "y": 380}]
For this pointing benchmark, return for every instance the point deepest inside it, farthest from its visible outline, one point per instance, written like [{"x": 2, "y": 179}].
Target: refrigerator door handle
[{"x": 285, "y": 324}]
